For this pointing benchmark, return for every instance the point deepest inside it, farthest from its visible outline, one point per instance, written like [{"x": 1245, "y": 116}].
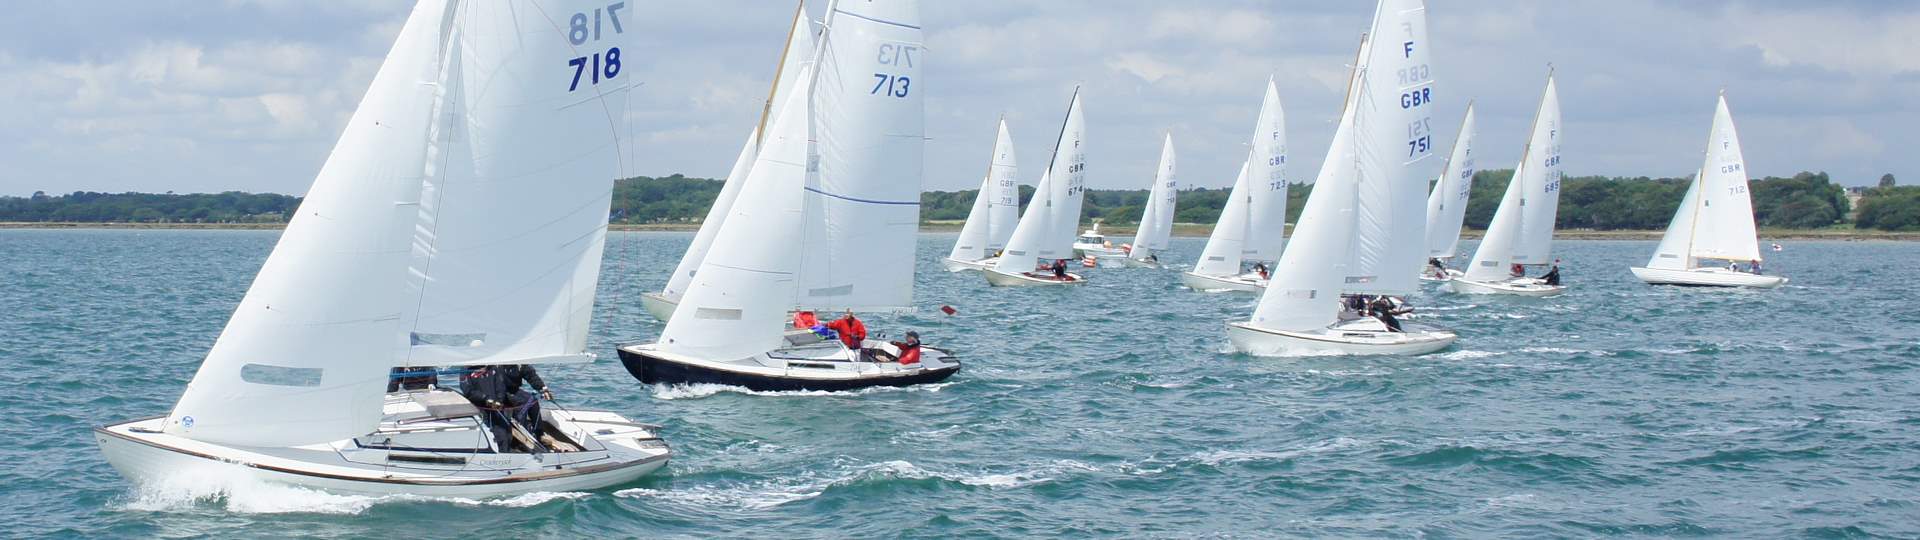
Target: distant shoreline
[{"x": 1116, "y": 233}]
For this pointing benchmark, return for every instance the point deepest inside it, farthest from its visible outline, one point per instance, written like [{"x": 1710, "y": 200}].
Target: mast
[{"x": 779, "y": 68}]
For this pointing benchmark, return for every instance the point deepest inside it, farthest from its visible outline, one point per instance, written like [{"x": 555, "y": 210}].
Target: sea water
[{"x": 1110, "y": 409}]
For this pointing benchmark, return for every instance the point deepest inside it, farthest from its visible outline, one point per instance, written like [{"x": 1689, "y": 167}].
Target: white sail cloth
[
  {"x": 344, "y": 296},
  {"x": 1046, "y": 229},
  {"x": 1447, "y": 205},
  {"x": 799, "y": 50},
  {"x": 996, "y": 208},
  {"x": 1522, "y": 228},
  {"x": 1715, "y": 220},
  {"x": 1156, "y": 221},
  {"x": 1393, "y": 130}
]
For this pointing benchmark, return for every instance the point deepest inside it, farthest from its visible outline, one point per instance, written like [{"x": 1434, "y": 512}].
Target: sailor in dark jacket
[
  {"x": 487, "y": 389},
  {"x": 525, "y": 405}
]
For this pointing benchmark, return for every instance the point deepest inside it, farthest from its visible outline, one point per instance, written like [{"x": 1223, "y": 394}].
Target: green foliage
[
  {"x": 1886, "y": 180},
  {"x": 92, "y": 207},
  {"x": 1892, "y": 208},
  {"x": 1808, "y": 200}
]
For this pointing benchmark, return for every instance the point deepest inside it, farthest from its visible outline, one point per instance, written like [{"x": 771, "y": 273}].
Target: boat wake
[
  {"x": 766, "y": 494},
  {"x": 701, "y": 390},
  {"x": 236, "y": 492}
]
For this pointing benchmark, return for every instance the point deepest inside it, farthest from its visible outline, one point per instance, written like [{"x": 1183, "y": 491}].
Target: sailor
[
  {"x": 411, "y": 378},
  {"x": 484, "y": 386},
  {"x": 909, "y": 350},
  {"x": 1439, "y": 268},
  {"x": 1384, "y": 310},
  {"x": 1060, "y": 269},
  {"x": 852, "y": 332},
  {"x": 1517, "y": 270},
  {"x": 526, "y": 409},
  {"x": 1152, "y": 258},
  {"x": 1552, "y": 277},
  {"x": 1260, "y": 268},
  {"x": 1753, "y": 266},
  {"x": 1733, "y": 266}
]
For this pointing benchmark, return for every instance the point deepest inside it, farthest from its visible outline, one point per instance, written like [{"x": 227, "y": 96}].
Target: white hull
[
  {"x": 1707, "y": 277},
  {"x": 658, "y": 305},
  {"x": 1514, "y": 287},
  {"x": 956, "y": 265},
  {"x": 1205, "y": 283},
  {"x": 1097, "y": 250},
  {"x": 1002, "y": 279},
  {"x": 615, "y": 451},
  {"x": 1130, "y": 262},
  {"x": 1358, "y": 337},
  {"x": 1451, "y": 275}
]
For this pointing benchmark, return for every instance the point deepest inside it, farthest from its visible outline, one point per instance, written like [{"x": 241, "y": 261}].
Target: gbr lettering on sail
[{"x": 1416, "y": 94}]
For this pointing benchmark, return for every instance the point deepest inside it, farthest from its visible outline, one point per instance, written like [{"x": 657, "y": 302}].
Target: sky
[{"x": 250, "y": 95}]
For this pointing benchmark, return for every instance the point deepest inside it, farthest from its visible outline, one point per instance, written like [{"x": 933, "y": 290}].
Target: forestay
[
  {"x": 1046, "y": 230},
  {"x": 1447, "y": 205},
  {"x": 1393, "y": 129},
  {"x": 1267, "y": 181},
  {"x": 996, "y": 206},
  {"x": 1541, "y": 201},
  {"x": 1725, "y": 227},
  {"x": 799, "y": 50},
  {"x": 1156, "y": 221},
  {"x": 863, "y": 206},
  {"x": 513, "y": 212}
]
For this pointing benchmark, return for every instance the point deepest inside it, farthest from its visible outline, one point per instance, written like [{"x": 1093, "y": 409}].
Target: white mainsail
[
  {"x": 1226, "y": 244},
  {"x": 1046, "y": 230},
  {"x": 869, "y": 124},
  {"x": 739, "y": 299},
  {"x": 1393, "y": 129},
  {"x": 305, "y": 357},
  {"x": 1447, "y": 205},
  {"x": 996, "y": 208},
  {"x": 1540, "y": 203},
  {"x": 1267, "y": 181},
  {"x": 1675, "y": 250},
  {"x": 1725, "y": 228},
  {"x": 1156, "y": 222},
  {"x": 498, "y": 286},
  {"x": 799, "y": 50}
]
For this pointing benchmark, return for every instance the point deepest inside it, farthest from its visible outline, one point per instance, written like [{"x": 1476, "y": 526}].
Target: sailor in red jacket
[
  {"x": 851, "y": 331},
  {"x": 909, "y": 350}
]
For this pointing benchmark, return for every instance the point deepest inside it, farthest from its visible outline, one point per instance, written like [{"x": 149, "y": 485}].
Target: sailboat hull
[
  {"x": 957, "y": 265},
  {"x": 658, "y": 305},
  {"x": 1706, "y": 277},
  {"x": 817, "y": 367},
  {"x": 620, "y": 452},
  {"x": 1002, "y": 279},
  {"x": 1516, "y": 287},
  {"x": 1205, "y": 283},
  {"x": 1131, "y": 262},
  {"x": 1360, "y": 337},
  {"x": 1449, "y": 276}
]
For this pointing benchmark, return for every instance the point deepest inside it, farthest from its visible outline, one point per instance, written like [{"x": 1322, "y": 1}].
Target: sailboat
[
  {"x": 799, "y": 49},
  {"x": 1045, "y": 232},
  {"x": 1156, "y": 221},
  {"x": 826, "y": 220},
  {"x": 1361, "y": 230},
  {"x": 1714, "y": 222},
  {"x": 1252, "y": 226},
  {"x": 1447, "y": 205},
  {"x": 459, "y": 221},
  {"x": 996, "y": 209},
  {"x": 1521, "y": 233}
]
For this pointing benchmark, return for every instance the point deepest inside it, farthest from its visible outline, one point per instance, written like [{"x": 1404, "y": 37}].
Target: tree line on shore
[{"x": 1804, "y": 201}]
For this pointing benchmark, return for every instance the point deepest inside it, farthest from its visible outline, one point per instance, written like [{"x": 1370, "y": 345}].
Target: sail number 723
[{"x": 599, "y": 65}]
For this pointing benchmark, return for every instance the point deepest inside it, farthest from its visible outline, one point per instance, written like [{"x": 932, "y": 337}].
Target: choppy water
[{"x": 1104, "y": 410}]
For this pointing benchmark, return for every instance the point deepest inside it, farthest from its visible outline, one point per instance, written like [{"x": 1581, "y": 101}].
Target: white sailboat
[
  {"x": 1156, "y": 221},
  {"x": 1521, "y": 233},
  {"x": 1252, "y": 226},
  {"x": 1714, "y": 222},
  {"x": 1359, "y": 233},
  {"x": 996, "y": 210},
  {"x": 460, "y": 221},
  {"x": 1447, "y": 205},
  {"x": 1046, "y": 229},
  {"x": 826, "y": 220},
  {"x": 799, "y": 49}
]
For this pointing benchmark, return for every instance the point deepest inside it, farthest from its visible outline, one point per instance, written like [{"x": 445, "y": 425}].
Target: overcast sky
[{"x": 212, "y": 95}]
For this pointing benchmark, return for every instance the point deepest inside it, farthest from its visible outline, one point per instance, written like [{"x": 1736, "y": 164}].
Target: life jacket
[
  {"x": 852, "y": 331},
  {"x": 805, "y": 319},
  {"x": 910, "y": 355}
]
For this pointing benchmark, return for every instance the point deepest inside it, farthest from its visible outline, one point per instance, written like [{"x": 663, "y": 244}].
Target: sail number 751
[{"x": 599, "y": 65}]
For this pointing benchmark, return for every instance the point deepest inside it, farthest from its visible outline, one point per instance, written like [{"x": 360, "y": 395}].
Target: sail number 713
[{"x": 893, "y": 84}]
